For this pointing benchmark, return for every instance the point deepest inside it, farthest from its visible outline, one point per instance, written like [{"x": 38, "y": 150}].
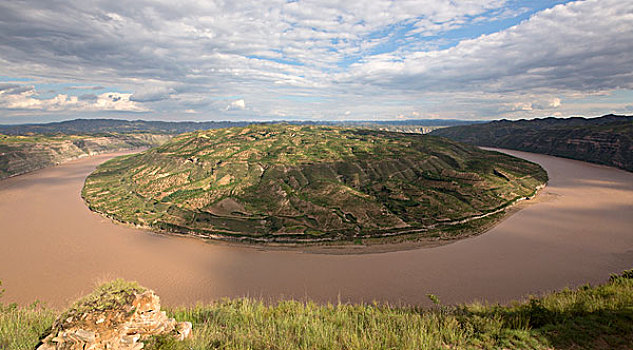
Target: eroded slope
[{"x": 25, "y": 153}]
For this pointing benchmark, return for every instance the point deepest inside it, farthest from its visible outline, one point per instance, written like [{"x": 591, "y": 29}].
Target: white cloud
[
  {"x": 236, "y": 105},
  {"x": 26, "y": 98},
  {"x": 114, "y": 101},
  {"x": 580, "y": 46},
  {"x": 377, "y": 59},
  {"x": 29, "y": 100},
  {"x": 531, "y": 105}
]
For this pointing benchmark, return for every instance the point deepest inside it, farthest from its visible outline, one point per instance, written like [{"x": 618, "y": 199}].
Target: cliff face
[
  {"x": 606, "y": 140},
  {"x": 23, "y": 154}
]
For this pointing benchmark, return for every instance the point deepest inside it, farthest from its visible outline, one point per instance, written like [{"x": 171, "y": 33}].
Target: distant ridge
[
  {"x": 95, "y": 126},
  {"x": 604, "y": 140},
  {"x": 425, "y": 122},
  {"x": 92, "y": 126}
]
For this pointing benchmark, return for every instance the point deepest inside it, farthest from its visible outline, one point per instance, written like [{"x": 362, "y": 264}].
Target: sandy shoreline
[{"x": 54, "y": 249}]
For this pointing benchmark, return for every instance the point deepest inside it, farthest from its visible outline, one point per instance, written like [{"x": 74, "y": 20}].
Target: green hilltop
[{"x": 290, "y": 183}]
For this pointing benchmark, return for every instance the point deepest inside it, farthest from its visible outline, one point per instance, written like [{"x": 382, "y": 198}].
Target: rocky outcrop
[{"x": 120, "y": 323}]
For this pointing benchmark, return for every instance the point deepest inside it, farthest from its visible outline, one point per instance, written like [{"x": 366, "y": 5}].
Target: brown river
[{"x": 53, "y": 249}]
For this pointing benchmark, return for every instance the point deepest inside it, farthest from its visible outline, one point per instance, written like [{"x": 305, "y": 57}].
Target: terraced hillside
[
  {"x": 307, "y": 183},
  {"x": 22, "y": 154}
]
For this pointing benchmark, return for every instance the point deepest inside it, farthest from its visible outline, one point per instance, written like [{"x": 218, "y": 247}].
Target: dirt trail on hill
[{"x": 54, "y": 249}]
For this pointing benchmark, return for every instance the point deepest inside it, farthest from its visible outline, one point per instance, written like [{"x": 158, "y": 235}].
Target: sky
[{"x": 314, "y": 60}]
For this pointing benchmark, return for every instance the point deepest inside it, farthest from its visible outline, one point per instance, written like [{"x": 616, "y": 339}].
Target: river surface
[{"x": 52, "y": 248}]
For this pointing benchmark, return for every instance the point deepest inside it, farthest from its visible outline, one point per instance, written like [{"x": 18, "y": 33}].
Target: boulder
[{"x": 115, "y": 319}]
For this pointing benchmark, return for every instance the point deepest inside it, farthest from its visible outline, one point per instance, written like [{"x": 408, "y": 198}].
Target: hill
[
  {"x": 23, "y": 154},
  {"x": 605, "y": 140},
  {"x": 285, "y": 183}
]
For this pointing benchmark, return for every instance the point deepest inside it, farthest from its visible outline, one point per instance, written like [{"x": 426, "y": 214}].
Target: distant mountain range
[
  {"x": 604, "y": 140},
  {"x": 95, "y": 126}
]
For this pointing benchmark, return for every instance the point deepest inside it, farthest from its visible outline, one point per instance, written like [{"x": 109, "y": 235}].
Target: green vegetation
[
  {"x": 114, "y": 296},
  {"x": 20, "y": 154},
  {"x": 590, "y": 317},
  {"x": 22, "y": 327},
  {"x": 606, "y": 140},
  {"x": 288, "y": 183}
]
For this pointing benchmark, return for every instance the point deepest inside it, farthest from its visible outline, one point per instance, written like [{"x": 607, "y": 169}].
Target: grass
[
  {"x": 22, "y": 327},
  {"x": 590, "y": 317}
]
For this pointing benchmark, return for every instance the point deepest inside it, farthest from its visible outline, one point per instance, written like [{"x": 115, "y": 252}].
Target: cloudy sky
[{"x": 262, "y": 60}]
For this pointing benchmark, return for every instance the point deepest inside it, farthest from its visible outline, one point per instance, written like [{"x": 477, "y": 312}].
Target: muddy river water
[{"x": 52, "y": 248}]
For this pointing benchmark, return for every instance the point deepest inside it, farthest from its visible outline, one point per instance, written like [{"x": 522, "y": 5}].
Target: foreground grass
[
  {"x": 21, "y": 328},
  {"x": 591, "y": 317}
]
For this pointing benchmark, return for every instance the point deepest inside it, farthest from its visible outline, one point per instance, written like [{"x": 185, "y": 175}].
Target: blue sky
[
  {"x": 253, "y": 60},
  {"x": 402, "y": 36}
]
